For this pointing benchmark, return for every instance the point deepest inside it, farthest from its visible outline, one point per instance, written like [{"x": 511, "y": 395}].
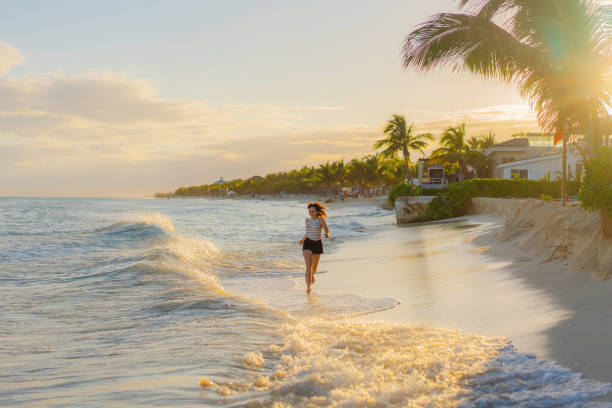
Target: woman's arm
[
  {"x": 304, "y": 237},
  {"x": 323, "y": 224}
]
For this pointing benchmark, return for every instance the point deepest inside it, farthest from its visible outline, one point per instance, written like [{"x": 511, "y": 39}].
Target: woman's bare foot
[
  {"x": 308, "y": 291},
  {"x": 312, "y": 279}
]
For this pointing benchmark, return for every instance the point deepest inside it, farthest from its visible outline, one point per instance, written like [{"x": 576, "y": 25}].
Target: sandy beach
[{"x": 457, "y": 274}]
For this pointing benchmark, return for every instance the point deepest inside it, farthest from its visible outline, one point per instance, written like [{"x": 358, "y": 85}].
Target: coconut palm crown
[
  {"x": 401, "y": 139},
  {"x": 454, "y": 148},
  {"x": 457, "y": 149},
  {"x": 556, "y": 51}
]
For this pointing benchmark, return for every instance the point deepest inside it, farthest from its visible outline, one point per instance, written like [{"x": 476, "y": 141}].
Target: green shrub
[
  {"x": 515, "y": 188},
  {"x": 431, "y": 191},
  {"x": 453, "y": 201},
  {"x": 596, "y": 192},
  {"x": 403, "y": 190}
]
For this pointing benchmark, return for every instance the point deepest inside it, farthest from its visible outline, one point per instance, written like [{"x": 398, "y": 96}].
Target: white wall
[{"x": 538, "y": 169}]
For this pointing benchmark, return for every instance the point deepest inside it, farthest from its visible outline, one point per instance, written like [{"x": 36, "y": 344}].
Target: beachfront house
[
  {"x": 436, "y": 174},
  {"x": 430, "y": 175},
  {"x": 520, "y": 147},
  {"x": 547, "y": 165},
  {"x": 531, "y": 156}
]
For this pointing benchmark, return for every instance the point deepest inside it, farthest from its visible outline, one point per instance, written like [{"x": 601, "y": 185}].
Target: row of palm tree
[
  {"x": 373, "y": 171},
  {"x": 456, "y": 153}
]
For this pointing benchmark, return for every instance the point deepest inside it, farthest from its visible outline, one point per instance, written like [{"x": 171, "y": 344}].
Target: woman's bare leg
[
  {"x": 307, "y": 274},
  {"x": 315, "y": 263}
]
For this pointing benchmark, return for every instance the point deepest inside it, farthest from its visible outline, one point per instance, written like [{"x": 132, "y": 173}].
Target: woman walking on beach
[{"x": 312, "y": 247}]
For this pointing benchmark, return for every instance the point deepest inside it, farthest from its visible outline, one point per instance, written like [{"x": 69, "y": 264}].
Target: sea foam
[{"x": 347, "y": 363}]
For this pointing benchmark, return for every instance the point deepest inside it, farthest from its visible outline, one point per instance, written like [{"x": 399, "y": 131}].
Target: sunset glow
[{"x": 89, "y": 112}]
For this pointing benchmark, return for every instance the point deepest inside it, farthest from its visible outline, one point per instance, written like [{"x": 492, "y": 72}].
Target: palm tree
[
  {"x": 395, "y": 172},
  {"x": 473, "y": 142},
  {"x": 325, "y": 176},
  {"x": 481, "y": 142},
  {"x": 555, "y": 51},
  {"x": 453, "y": 148},
  {"x": 306, "y": 178},
  {"x": 339, "y": 170},
  {"x": 357, "y": 174},
  {"x": 484, "y": 164},
  {"x": 487, "y": 141},
  {"x": 457, "y": 150},
  {"x": 401, "y": 139},
  {"x": 376, "y": 168}
]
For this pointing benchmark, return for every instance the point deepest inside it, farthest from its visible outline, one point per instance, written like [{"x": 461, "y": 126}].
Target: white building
[
  {"x": 542, "y": 166},
  {"x": 532, "y": 157},
  {"x": 518, "y": 148}
]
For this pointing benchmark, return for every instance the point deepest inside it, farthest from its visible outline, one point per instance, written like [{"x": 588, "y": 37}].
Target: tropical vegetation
[
  {"x": 455, "y": 199},
  {"x": 400, "y": 139},
  {"x": 369, "y": 172},
  {"x": 458, "y": 154},
  {"x": 402, "y": 190},
  {"x": 596, "y": 192},
  {"x": 557, "y": 52},
  {"x": 375, "y": 171}
]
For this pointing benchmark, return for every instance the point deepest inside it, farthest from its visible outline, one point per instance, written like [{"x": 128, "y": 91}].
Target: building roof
[
  {"x": 514, "y": 142},
  {"x": 530, "y": 160}
]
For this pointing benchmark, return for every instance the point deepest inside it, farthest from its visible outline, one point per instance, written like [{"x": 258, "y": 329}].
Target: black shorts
[{"x": 315, "y": 246}]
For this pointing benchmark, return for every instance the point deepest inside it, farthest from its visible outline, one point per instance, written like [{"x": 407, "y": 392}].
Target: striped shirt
[{"x": 313, "y": 229}]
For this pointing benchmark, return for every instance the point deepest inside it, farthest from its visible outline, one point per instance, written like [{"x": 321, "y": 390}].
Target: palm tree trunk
[
  {"x": 462, "y": 167},
  {"x": 564, "y": 168},
  {"x": 406, "y": 154}
]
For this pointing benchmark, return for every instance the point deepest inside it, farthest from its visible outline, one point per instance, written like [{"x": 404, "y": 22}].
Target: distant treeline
[{"x": 371, "y": 171}]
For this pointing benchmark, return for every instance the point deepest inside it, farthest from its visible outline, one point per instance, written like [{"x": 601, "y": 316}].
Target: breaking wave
[{"x": 351, "y": 364}]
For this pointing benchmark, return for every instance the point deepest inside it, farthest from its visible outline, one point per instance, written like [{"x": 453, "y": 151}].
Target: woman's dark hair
[{"x": 320, "y": 209}]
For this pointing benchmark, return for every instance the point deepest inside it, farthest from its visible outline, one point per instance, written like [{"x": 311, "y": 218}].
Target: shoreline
[
  {"x": 378, "y": 201},
  {"x": 581, "y": 341},
  {"x": 542, "y": 307}
]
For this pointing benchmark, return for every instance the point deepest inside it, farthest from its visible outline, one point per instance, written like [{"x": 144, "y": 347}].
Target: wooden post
[{"x": 564, "y": 169}]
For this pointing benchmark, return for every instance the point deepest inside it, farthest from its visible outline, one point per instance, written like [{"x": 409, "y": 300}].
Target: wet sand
[{"x": 455, "y": 274}]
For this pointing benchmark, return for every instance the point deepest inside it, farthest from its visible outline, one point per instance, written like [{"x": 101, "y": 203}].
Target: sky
[{"x": 114, "y": 98}]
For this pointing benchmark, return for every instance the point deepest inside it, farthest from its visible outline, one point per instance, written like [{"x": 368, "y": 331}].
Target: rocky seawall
[{"x": 408, "y": 209}]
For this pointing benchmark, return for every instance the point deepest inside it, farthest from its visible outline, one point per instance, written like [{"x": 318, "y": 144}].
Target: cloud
[
  {"x": 115, "y": 108},
  {"x": 108, "y": 134},
  {"x": 9, "y": 57},
  {"x": 106, "y": 98}
]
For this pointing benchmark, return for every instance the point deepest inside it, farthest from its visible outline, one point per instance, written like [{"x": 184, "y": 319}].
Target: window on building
[
  {"x": 518, "y": 174},
  {"x": 436, "y": 173}
]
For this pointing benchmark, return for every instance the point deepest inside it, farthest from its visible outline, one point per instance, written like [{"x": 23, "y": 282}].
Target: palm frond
[
  {"x": 557, "y": 51},
  {"x": 469, "y": 42}
]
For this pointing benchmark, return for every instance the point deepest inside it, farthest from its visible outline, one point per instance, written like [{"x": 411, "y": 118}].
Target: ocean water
[{"x": 115, "y": 303}]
